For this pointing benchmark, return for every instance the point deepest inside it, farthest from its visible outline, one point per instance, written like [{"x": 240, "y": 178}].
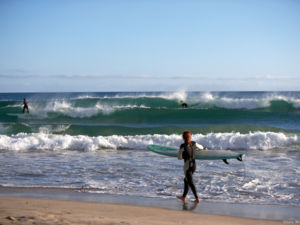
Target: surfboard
[{"x": 200, "y": 154}]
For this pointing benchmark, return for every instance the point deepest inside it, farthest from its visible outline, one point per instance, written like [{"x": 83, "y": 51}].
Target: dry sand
[{"x": 15, "y": 210}]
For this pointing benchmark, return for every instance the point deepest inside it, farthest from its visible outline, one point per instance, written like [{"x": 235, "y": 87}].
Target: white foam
[
  {"x": 220, "y": 100},
  {"x": 246, "y": 103},
  {"x": 69, "y": 109},
  {"x": 48, "y": 129},
  {"x": 228, "y": 102},
  {"x": 180, "y": 95},
  {"x": 253, "y": 140},
  {"x": 87, "y": 96},
  {"x": 12, "y": 106},
  {"x": 66, "y": 108},
  {"x": 195, "y": 100},
  {"x": 251, "y": 184},
  {"x": 294, "y": 101},
  {"x": 238, "y": 102},
  {"x": 107, "y": 109},
  {"x": 263, "y": 178},
  {"x": 41, "y": 141}
]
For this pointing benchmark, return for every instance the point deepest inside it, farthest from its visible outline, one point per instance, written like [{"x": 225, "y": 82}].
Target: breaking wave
[{"x": 234, "y": 141}]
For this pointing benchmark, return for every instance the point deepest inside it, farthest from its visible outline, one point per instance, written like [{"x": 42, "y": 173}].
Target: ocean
[{"x": 97, "y": 142}]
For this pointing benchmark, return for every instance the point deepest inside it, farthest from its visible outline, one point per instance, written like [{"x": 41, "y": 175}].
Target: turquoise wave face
[{"x": 149, "y": 113}]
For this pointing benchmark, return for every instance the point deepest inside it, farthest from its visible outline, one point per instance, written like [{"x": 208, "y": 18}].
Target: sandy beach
[{"x": 15, "y": 210}]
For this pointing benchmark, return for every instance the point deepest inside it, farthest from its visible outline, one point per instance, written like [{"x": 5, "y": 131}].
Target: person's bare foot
[
  {"x": 197, "y": 200},
  {"x": 181, "y": 198}
]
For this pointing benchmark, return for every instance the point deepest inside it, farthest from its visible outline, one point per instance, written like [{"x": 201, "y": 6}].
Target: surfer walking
[
  {"x": 187, "y": 152},
  {"x": 25, "y": 106}
]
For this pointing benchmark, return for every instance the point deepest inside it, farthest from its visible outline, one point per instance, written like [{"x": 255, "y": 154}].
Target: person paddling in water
[
  {"x": 187, "y": 152},
  {"x": 183, "y": 104},
  {"x": 25, "y": 107}
]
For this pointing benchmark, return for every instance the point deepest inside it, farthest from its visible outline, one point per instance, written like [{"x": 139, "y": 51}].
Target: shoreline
[
  {"x": 17, "y": 210},
  {"x": 288, "y": 214}
]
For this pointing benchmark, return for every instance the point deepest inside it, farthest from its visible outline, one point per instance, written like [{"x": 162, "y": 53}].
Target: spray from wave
[
  {"x": 209, "y": 99},
  {"x": 70, "y": 109},
  {"x": 223, "y": 100}
]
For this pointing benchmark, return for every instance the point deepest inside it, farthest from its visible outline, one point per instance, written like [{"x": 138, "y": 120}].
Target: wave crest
[
  {"x": 69, "y": 109},
  {"x": 44, "y": 141}
]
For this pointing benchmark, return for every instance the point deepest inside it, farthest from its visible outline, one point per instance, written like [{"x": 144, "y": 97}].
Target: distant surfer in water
[
  {"x": 25, "y": 106},
  {"x": 187, "y": 152},
  {"x": 183, "y": 104}
]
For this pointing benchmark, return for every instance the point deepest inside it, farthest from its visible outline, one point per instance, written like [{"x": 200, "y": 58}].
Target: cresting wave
[
  {"x": 203, "y": 108},
  {"x": 227, "y": 100},
  {"x": 42, "y": 141},
  {"x": 179, "y": 95},
  {"x": 208, "y": 99},
  {"x": 246, "y": 102},
  {"x": 68, "y": 109}
]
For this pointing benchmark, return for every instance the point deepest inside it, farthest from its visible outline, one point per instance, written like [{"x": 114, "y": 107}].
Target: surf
[{"x": 221, "y": 141}]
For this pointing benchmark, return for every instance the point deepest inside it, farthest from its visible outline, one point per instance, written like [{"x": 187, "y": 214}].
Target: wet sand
[{"x": 17, "y": 210}]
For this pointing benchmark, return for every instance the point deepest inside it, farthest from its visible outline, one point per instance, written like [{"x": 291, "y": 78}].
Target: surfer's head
[{"x": 187, "y": 137}]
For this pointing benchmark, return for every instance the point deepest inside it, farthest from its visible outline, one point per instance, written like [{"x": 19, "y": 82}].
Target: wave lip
[
  {"x": 90, "y": 105},
  {"x": 44, "y": 141},
  {"x": 253, "y": 140},
  {"x": 209, "y": 99},
  {"x": 70, "y": 109},
  {"x": 241, "y": 102}
]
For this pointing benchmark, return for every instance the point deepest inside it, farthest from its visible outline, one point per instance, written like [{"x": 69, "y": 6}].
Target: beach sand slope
[{"x": 14, "y": 210}]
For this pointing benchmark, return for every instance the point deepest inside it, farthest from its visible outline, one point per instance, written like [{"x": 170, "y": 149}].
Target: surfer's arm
[{"x": 180, "y": 153}]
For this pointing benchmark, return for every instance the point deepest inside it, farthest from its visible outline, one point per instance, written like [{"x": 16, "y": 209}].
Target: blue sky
[{"x": 154, "y": 45}]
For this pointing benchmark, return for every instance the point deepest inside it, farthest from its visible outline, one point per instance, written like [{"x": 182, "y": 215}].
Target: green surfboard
[{"x": 201, "y": 154}]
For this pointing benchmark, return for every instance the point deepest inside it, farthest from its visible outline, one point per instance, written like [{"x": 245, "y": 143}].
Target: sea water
[{"x": 97, "y": 142}]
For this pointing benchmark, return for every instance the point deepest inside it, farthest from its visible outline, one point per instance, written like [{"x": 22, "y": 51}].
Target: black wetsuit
[
  {"x": 189, "y": 155},
  {"x": 25, "y": 103},
  {"x": 184, "y": 105}
]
